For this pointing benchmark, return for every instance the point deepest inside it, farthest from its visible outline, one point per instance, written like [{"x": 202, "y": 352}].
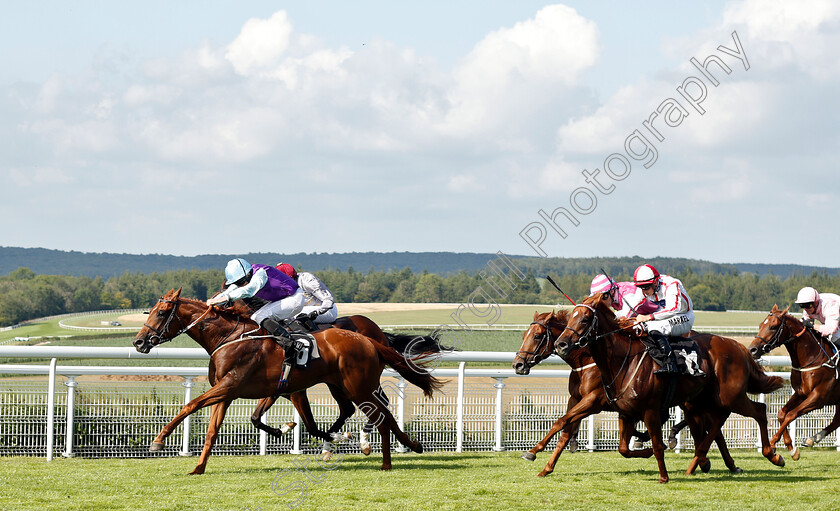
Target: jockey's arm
[
  {"x": 832, "y": 320},
  {"x": 316, "y": 288},
  {"x": 257, "y": 282},
  {"x": 674, "y": 304}
]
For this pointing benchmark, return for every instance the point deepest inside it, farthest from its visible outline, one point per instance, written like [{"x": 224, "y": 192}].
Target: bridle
[
  {"x": 587, "y": 336},
  {"x": 159, "y": 333},
  {"x": 538, "y": 353},
  {"x": 776, "y": 339}
]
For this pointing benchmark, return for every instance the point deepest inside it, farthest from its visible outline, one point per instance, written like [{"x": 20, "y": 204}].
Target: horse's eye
[{"x": 161, "y": 314}]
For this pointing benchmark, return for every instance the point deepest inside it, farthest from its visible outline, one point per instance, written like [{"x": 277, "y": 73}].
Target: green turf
[{"x": 439, "y": 481}]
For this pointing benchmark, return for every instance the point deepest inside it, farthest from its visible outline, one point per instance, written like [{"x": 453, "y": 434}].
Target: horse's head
[
  {"x": 159, "y": 327},
  {"x": 771, "y": 332},
  {"x": 538, "y": 340},
  {"x": 582, "y": 325}
]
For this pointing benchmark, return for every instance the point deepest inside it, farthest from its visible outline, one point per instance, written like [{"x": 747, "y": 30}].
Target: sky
[{"x": 576, "y": 129}]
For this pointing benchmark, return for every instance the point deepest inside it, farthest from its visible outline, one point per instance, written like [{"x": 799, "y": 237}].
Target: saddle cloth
[
  {"x": 685, "y": 351},
  {"x": 306, "y": 349}
]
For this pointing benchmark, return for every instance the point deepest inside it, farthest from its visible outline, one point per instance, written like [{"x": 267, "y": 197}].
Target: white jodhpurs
[
  {"x": 677, "y": 326},
  {"x": 285, "y": 308},
  {"x": 328, "y": 317}
]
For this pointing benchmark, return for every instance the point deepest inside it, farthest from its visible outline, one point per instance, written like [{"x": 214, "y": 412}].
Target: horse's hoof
[
  {"x": 778, "y": 460},
  {"x": 672, "y": 443},
  {"x": 155, "y": 447},
  {"x": 418, "y": 448},
  {"x": 543, "y": 473},
  {"x": 197, "y": 471},
  {"x": 736, "y": 470},
  {"x": 385, "y": 467},
  {"x": 705, "y": 467},
  {"x": 795, "y": 454},
  {"x": 637, "y": 445},
  {"x": 572, "y": 446},
  {"x": 528, "y": 455},
  {"x": 326, "y": 455},
  {"x": 809, "y": 442},
  {"x": 366, "y": 450},
  {"x": 287, "y": 427},
  {"x": 663, "y": 480},
  {"x": 338, "y": 438}
]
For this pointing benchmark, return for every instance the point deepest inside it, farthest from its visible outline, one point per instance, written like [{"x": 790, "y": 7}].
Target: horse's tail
[
  {"x": 412, "y": 368},
  {"x": 411, "y": 345},
  {"x": 759, "y": 382}
]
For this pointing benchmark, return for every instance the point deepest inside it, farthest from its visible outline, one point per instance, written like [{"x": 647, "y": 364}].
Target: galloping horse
[
  {"x": 639, "y": 394},
  {"x": 586, "y": 390},
  {"x": 250, "y": 367},
  {"x": 813, "y": 376},
  {"x": 587, "y": 395}
]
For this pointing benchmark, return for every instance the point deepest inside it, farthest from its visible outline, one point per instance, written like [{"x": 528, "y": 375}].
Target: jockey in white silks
[
  {"x": 317, "y": 297},
  {"x": 675, "y": 316},
  {"x": 824, "y": 307}
]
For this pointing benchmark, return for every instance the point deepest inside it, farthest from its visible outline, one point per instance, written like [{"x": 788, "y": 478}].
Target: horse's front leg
[
  {"x": 262, "y": 407},
  {"x": 217, "y": 415},
  {"x": 809, "y": 404},
  {"x": 654, "y": 426},
  {"x": 626, "y": 431},
  {"x": 221, "y": 391},
  {"x": 531, "y": 454}
]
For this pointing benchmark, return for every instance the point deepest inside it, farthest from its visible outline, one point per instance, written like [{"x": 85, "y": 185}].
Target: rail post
[
  {"x": 185, "y": 435},
  {"x": 459, "y": 410},
  {"x": 71, "y": 403},
  {"x": 499, "y": 385},
  {"x": 401, "y": 385},
  {"x": 51, "y": 410}
]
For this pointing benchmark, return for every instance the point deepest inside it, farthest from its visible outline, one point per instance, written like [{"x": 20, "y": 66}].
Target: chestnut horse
[
  {"x": 638, "y": 394},
  {"x": 243, "y": 366},
  {"x": 587, "y": 395},
  {"x": 813, "y": 375},
  {"x": 407, "y": 345}
]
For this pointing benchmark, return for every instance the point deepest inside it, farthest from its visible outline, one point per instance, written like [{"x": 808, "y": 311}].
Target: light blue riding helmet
[{"x": 236, "y": 269}]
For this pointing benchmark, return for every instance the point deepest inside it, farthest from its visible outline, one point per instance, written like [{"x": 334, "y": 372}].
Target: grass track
[{"x": 440, "y": 481}]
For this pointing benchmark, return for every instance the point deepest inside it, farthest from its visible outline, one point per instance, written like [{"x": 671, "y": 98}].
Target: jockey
[
  {"x": 625, "y": 296},
  {"x": 675, "y": 317},
  {"x": 317, "y": 297},
  {"x": 824, "y": 307},
  {"x": 284, "y": 296}
]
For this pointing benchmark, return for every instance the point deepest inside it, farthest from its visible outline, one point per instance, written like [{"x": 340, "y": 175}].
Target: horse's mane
[
  {"x": 237, "y": 310},
  {"x": 600, "y": 302}
]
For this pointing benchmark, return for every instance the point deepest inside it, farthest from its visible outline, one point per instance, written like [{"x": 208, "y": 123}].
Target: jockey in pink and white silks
[
  {"x": 675, "y": 316},
  {"x": 317, "y": 298},
  {"x": 824, "y": 307},
  {"x": 624, "y": 296}
]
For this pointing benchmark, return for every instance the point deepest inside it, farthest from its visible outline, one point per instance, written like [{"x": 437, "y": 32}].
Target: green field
[{"x": 440, "y": 481}]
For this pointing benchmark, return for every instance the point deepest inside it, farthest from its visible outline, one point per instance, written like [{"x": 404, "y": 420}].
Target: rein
[
  {"x": 776, "y": 341},
  {"x": 537, "y": 353},
  {"x": 159, "y": 334}
]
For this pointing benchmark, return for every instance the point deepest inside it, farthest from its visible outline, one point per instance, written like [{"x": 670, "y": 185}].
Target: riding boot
[
  {"x": 668, "y": 365},
  {"x": 285, "y": 340}
]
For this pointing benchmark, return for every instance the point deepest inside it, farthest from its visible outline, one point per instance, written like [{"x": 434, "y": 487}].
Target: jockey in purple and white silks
[
  {"x": 284, "y": 296},
  {"x": 675, "y": 316},
  {"x": 824, "y": 307},
  {"x": 317, "y": 298},
  {"x": 624, "y": 296}
]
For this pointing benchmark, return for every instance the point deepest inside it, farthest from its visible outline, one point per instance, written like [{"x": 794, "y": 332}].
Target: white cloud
[{"x": 260, "y": 44}]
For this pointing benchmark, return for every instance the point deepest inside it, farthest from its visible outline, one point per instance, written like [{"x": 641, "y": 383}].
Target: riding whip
[{"x": 548, "y": 278}]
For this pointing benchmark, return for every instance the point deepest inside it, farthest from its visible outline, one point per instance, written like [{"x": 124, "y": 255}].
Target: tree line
[{"x": 26, "y": 295}]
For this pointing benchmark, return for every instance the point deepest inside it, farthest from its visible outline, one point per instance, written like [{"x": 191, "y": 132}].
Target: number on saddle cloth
[{"x": 687, "y": 354}]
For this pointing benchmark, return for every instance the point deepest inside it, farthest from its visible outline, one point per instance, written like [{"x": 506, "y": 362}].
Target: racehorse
[
  {"x": 250, "y": 367},
  {"x": 638, "y": 394},
  {"x": 813, "y": 376},
  {"x": 587, "y": 395},
  {"x": 407, "y": 345}
]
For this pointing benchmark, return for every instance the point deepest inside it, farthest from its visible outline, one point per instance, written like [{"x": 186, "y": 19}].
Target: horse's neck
[
  {"x": 805, "y": 349},
  {"x": 611, "y": 352},
  {"x": 580, "y": 358},
  {"x": 213, "y": 329}
]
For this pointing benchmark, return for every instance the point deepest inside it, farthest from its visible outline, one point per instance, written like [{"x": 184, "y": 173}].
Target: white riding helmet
[
  {"x": 645, "y": 274},
  {"x": 236, "y": 269},
  {"x": 808, "y": 295}
]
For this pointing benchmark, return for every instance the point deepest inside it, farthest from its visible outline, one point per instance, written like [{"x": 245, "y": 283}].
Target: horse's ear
[
  {"x": 177, "y": 293},
  {"x": 536, "y": 315},
  {"x": 775, "y": 308},
  {"x": 786, "y": 310}
]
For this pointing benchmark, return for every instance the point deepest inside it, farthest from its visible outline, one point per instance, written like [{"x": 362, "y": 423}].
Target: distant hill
[{"x": 59, "y": 262}]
